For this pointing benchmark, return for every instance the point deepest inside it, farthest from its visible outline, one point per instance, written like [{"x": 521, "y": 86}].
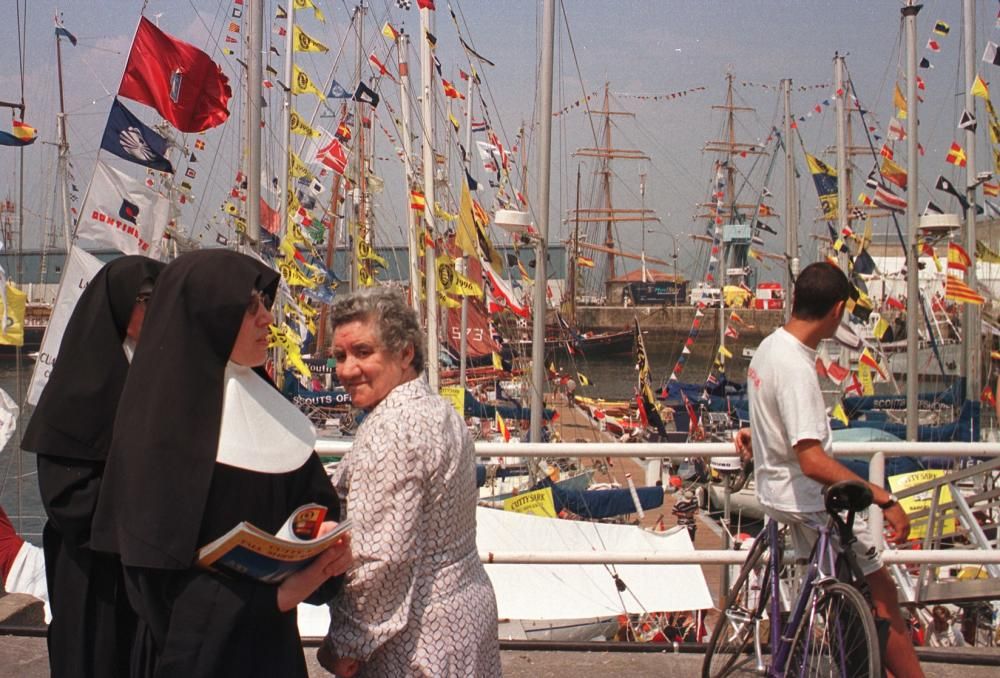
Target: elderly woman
[
  {"x": 70, "y": 431},
  {"x": 201, "y": 443},
  {"x": 419, "y": 602}
]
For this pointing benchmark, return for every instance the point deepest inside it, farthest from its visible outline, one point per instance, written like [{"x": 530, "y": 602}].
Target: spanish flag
[
  {"x": 502, "y": 427},
  {"x": 956, "y": 290},
  {"x": 19, "y": 135},
  {"x": 958, "y": 258}
]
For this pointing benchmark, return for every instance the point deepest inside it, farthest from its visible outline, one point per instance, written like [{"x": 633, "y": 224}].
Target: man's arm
[{"x": 826, "y": 470}]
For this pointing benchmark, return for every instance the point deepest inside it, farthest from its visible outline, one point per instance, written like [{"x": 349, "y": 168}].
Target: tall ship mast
[{"x": 604, "y": 212}]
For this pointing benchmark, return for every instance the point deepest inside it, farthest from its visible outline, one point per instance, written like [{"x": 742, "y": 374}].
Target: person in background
[
  {"x": 791, "y": 443},
  {"x": 419, "y": 602},
  {"x": 203, "y": 441},
  {"x": 70, "y": 432},
  {"x": 22, "y": 565},
  {"x": 943, "y": 631}
]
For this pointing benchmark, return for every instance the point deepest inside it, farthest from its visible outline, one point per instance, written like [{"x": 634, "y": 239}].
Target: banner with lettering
[{"x": 80, "y": 269}]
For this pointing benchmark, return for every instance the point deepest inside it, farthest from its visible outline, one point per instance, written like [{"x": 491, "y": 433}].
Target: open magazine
[{"x": 248, "y": 550}]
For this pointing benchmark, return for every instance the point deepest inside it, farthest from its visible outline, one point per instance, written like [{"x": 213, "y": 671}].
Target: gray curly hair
[{"x": 395, "y": 322}]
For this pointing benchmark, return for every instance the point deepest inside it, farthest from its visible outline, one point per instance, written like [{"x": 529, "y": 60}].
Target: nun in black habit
[
  {"x": 70, "y": 431},
  {"x": 202, "y": 442}
]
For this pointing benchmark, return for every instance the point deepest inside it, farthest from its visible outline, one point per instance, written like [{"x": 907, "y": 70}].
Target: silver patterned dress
[{"x": 418, "y": 602}]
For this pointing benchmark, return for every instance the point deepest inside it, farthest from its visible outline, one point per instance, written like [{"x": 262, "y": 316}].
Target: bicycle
[{"x": 831, "y": 629}]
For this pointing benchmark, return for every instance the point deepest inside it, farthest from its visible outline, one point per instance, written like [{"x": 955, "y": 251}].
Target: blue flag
[
  {"x": 128, "y": 137},
  {"x": 337, "y": 91},
  {"x": 60, "y": 31}
]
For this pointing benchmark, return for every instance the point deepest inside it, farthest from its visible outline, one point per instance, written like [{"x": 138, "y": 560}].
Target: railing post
[{"x": 876, "y": 476}]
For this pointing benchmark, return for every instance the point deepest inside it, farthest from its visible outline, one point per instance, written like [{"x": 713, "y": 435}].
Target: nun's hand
[{"x": 335, "y": 560}]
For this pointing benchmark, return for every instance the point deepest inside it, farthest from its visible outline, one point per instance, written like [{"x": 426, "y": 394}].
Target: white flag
[
  {"x": 122, "y": 212},
  {"x": 325, "y": 150},
  {"x": 80, "y": 269}
]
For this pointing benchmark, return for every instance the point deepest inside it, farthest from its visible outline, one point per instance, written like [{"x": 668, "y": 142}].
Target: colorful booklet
[{"x": 248, "y": 550}]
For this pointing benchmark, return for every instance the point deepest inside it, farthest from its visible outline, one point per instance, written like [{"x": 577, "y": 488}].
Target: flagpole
[
  {"x": 412, "y": 225},
  {"x": 912, "y": 219},
  {"x": 542, "y": 219},
  {"x": 286, "y": 127},
  {"x": 791, "y": 201},
  {"x": 463, "y": 344},
  {"x": 430, "y": 262},
  {"x": 254, "y": 78},
  {"x": 971, "y": 334},
  {"x": 63, "y": 150}
]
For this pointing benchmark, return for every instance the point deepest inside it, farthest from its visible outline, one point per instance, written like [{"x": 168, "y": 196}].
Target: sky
[{"x": 641, "y": 49}]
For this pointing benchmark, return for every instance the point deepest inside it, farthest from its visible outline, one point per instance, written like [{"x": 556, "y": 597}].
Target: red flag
[
  {"x": 893, "y": 302},
  {"x": 643, "y": 417},
  {"x": 177, "y": 79},
  {"x": 450, "y": 91},
  {"x": 426, "y": 4},
  {"x": 821, "y": 367},
  {"x": 270, "y": 219},
  {"x": 836, "y": 372},
  {"x": 380, "y": 66}
]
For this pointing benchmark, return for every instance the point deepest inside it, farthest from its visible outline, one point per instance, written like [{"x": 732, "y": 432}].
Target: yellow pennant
[
  {"x": 980, "y": 89},
  {"x": 297, "y": 125},
  {"x": 839, "y": 414},
  {"x": 308, "y": 4},
  {"x": 366, "y": 251},
  {"x": 297, "y": 168},
  {"x": 302, "y": 42},
  {"x": 302, "y": 84}
]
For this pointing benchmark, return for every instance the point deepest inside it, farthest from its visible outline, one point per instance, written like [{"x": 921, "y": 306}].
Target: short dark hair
[{"x": 817, "y": 289}]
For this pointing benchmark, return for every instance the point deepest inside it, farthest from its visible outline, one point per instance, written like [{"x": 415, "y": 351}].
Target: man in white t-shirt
[{"x": 791, "y": 444}]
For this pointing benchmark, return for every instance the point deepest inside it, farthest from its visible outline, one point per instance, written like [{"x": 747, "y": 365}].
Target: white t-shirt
[{"x": 786, "y": 407}]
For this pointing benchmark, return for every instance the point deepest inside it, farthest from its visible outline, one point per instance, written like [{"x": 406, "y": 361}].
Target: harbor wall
[{"x": 666, "y": 328}]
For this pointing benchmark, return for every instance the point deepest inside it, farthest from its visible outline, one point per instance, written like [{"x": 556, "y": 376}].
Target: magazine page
[{"x": 250, "y": 551}]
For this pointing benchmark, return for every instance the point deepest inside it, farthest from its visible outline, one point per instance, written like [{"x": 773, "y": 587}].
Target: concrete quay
[{"x": 26, "y": 656}]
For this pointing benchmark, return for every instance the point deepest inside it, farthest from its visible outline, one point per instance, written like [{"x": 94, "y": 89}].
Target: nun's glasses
[{"x": 256, "y": 299}]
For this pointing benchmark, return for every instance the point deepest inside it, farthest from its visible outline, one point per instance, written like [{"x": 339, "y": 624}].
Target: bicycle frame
[{"x": 782, "y": 634}]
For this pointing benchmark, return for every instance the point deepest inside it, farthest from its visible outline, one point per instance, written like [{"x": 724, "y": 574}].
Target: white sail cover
[{"x": 540, "y": 592}]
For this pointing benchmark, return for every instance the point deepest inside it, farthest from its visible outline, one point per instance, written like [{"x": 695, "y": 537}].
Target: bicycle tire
[
  {"x": 836, "y": 638},
  {"x": 727, "y": 653}
]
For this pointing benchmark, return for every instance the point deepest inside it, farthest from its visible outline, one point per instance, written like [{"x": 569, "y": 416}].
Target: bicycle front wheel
[
  {"x": 837, "y": 637},
  {"x": 730, "y": 652}
]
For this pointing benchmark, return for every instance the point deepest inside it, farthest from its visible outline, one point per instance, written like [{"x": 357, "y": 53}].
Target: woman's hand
[{"x": 335, "y": 560}]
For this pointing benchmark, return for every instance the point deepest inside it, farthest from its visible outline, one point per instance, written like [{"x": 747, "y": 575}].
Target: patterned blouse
[{"x": 419, "y": 602}]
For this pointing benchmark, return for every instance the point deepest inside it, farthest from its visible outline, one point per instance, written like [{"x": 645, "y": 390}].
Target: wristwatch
[{"x": 893, "y": 500}]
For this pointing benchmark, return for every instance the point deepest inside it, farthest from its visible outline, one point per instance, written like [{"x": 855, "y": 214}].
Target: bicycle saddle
[{"x": 847, "y": 495}]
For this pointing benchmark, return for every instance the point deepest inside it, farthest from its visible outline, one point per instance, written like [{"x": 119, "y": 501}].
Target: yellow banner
[
  {"x": 455, "y": 394},
  {"x": 865, "y": 377},
  {"x": 15, "y": 301},
  {"x": 537, "y": 503},
  {"x": 922, "y": 501}
]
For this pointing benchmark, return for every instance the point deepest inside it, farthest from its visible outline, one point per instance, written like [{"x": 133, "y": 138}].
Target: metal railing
[{"x": 877, "y": 452}]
